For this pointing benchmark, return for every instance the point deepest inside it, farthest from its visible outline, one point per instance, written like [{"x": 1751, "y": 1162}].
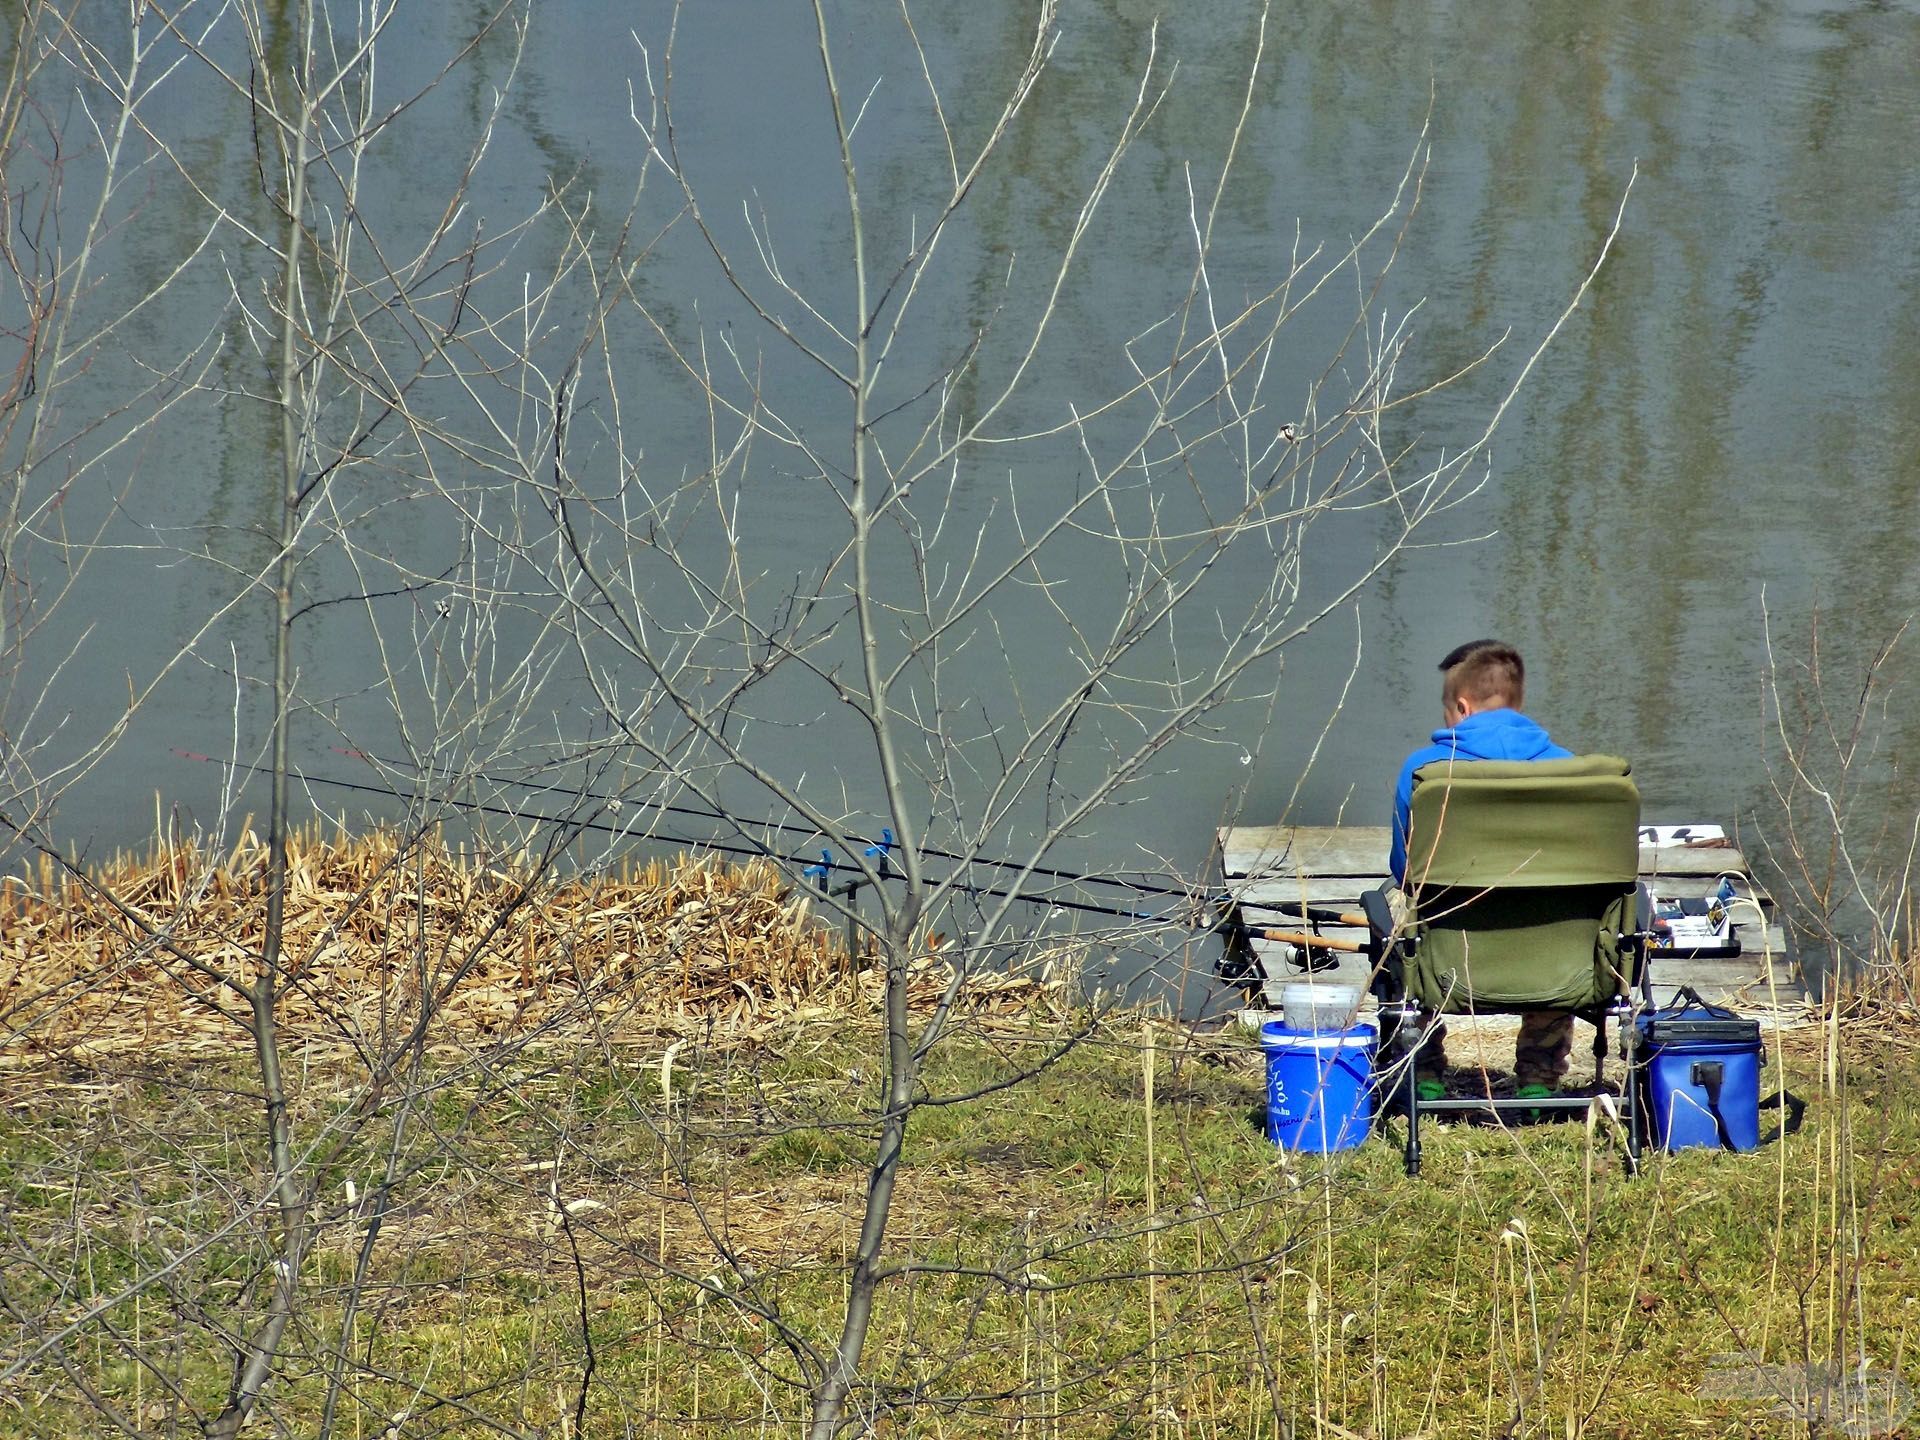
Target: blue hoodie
[{"x": 1487, "y": 735}]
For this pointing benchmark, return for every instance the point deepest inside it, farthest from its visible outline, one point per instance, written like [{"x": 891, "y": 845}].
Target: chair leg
[
  {"x": 1630, "y": 1090},
  {"x": 1413, "y": 1127},
  {"x": 1412, "y": 1033},
  {"x": 1634, "y": 1093}
]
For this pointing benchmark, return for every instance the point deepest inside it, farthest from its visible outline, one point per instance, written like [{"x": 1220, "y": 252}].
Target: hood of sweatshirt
[
  {"x": 1497, "y": 735},
  {"x": 1488, "y": 735}
]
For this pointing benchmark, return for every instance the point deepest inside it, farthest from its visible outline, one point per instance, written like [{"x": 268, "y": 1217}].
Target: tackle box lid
[
  {"x": 1669, "y": 1028},
  {"x": 1693, "y": 1018}
]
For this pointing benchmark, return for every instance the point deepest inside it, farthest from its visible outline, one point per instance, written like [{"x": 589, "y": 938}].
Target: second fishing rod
[{"x": 820, "y": 872}]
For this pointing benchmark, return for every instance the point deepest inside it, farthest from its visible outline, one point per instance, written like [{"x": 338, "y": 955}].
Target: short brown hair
[{"x": 1484, "y": 670}]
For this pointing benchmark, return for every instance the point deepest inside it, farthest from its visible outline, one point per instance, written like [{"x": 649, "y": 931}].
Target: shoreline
[{"x": 380, "y": 938}]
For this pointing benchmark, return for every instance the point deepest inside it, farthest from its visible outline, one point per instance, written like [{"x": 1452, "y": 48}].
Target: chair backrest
[{"x": 1520, "y": 877}]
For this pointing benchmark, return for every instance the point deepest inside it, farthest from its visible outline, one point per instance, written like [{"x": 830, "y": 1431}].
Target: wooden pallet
[{"x": 1268, "y": 868}]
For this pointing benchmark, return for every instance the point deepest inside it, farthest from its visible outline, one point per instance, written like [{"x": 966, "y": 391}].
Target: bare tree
[
  {"x": 1846, "y": 858},
  {"x": 76, "y": 183},
  {"x": 1008, "y": 617},
  {"x": 1154, "y": 541},
  {"x": 339, "y": 331}
]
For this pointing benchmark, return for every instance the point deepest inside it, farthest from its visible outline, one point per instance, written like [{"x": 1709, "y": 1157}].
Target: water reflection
[{"x": 1734, "y": 406}]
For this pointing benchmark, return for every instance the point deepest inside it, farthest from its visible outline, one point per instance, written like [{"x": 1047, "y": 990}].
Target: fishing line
[
  {"x": 933, "y": 852},
  {"x": 760, "y": 852},
  {"x": 826, "y": 865}
]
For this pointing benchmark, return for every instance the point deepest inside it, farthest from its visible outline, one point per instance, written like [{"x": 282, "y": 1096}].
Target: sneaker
[{"x": 1430, "y": 1089}]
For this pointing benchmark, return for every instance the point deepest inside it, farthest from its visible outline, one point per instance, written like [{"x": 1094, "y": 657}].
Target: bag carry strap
[
  {"x": 1796, "y": 1111},
  {"x": 1708, "y": 1075},
  {"x": 1686, "y": 992}
]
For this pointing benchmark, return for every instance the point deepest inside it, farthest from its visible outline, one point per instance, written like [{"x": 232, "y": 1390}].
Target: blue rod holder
[
  {"x": 820, "y": 874},
  {"x": 881, "y": 853}
]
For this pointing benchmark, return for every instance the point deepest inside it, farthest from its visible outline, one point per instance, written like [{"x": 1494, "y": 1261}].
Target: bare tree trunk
[
  {"x": 291, "y": 1199},
  {"x": 902, "y": 921}
]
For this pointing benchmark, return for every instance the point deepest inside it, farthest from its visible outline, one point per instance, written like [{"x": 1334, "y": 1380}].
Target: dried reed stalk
[{"x": 372, "y": 935}]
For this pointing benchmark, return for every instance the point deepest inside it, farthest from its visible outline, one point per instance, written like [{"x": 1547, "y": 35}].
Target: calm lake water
[{"x": 1725, "y": 435}]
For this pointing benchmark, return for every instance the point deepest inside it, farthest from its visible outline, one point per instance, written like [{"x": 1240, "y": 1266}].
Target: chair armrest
[
  {"x": 1390, "y": 950},
  {"x": 1373, "y": 904}
]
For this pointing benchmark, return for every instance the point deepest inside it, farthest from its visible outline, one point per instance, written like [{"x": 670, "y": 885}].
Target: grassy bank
[
  {"x": 591, "y": 1158},
  {"x": 558, "y": 1208}
]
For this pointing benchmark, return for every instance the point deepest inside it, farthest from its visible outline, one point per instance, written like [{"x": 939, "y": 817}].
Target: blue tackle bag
[{"x": 1698, "y": 1068}]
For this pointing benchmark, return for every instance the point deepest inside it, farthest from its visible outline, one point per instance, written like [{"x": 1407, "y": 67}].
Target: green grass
[{"x": 1055, "y": 1284}]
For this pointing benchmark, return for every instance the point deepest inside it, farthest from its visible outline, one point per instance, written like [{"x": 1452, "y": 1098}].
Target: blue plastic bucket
[
  {"x": 1687, "y": 1078},
  {"x": 1319, "y": 1086}
]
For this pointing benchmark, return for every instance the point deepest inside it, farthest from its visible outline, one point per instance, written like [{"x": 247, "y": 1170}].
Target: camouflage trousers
[
  {"x": 1544, "y": 1048},
  {"x": 1542, "y": 1052}
]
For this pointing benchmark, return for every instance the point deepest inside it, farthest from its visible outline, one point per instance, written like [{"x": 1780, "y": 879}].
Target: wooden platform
[{"x": 1268, "y": 868}]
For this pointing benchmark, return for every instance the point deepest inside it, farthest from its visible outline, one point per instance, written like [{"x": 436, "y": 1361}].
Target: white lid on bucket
[
  {"x": 1278, "y": 1035},
  {"x": 1319, "y": 1004}
]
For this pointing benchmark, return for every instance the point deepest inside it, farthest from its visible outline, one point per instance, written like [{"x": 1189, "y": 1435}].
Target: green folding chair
[{"x": 1522, "y": 894}]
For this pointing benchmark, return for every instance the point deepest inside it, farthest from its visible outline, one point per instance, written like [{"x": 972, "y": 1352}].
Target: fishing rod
[
  {"x": 826, "y": 865},
  {"x": 667, "y": 808},
  {"x": 1314, "y": 914}
]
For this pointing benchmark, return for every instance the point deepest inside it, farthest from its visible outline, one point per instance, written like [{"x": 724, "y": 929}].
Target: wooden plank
[
  {"x": 1739, "y": 990},
  {"x": 1691, "y": 861},
  {"x": 1758, "y": 946},
  {"x": 1317, "y": 890},
  {"x": 1735, "y": 992},
  {"x": 1751, "y": 965},
  {"x": 1732, "y": 990},
  {"x": 1750, "y": 911},
  {"x": 1270, "y": 868},
  {"x": 1349, "y": 970},
  {"x": 1679, "y": 858},
  {"x": 1269, "y": 851},
  {"x": 1722, "y": 982},
  {"x": 1755, "y": 918}
]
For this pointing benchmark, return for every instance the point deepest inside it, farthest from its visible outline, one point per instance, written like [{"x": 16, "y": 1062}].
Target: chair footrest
[{"x": 1509, "y": 1102}]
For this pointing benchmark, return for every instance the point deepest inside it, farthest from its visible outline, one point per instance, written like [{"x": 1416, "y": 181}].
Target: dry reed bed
[{"x": 379, "y": 934}]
